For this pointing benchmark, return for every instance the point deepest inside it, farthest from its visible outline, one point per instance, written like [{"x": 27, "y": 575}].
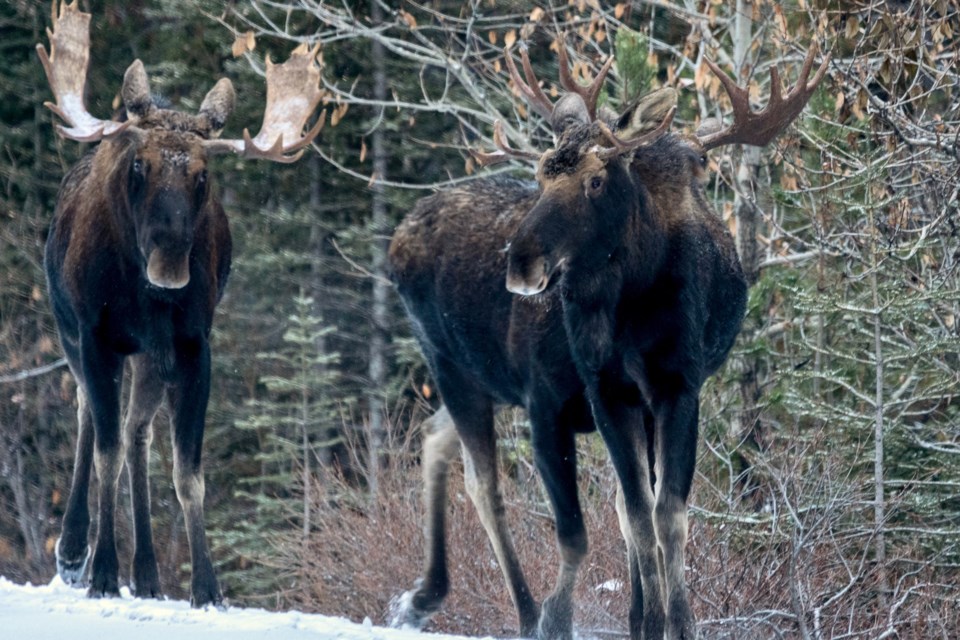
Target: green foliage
[{"x": 635, "y": 72}]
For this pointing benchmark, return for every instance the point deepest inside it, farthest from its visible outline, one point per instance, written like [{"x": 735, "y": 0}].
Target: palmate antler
[
  {"x": 293, "y": 93},
  {"x": 758, "y": 128},
  {"x": 66, "y": 69}
]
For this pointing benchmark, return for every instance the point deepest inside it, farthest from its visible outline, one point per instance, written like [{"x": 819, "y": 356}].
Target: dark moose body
[
  {"x": 136, "y": 260},
  {"x": 107, "y": 309},
  {"x": 602, "y": 298},
  {"x": 645, "y": 305}
]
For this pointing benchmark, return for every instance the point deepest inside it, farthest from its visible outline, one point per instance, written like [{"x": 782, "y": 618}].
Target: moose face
[
  {"x": 167, "y": 186},
  {"x": 167, "y": 192},
  {"x": 580, "y": 218}
]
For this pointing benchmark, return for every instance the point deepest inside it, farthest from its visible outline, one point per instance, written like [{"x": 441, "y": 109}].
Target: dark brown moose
[
  {"x": 600, "y": 298},
  {"x": 137, "y": 258}
]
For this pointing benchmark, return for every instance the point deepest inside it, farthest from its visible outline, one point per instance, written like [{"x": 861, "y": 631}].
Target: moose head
[
  {"x": 588, "y": 190},
  {"x": 154, "y": 163}
]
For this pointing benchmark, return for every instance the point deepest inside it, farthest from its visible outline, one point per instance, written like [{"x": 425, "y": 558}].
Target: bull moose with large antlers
[
  {"x": 601, "y": 298},
  {"x": 137, "y": 259}
]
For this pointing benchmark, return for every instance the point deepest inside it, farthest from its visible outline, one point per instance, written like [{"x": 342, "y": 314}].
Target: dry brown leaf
[
  {"x": 408, "y": 18},
  {"x": 363, "y": 150},
  {"x": 244, "y": 42},
  {"x": 510, "y": 38},
  {"x": 619, "y": 10},
  {"x": 853, "y": 27},
  {"x": 492, "y": 36},
  {"x": 537, "y": 14}
]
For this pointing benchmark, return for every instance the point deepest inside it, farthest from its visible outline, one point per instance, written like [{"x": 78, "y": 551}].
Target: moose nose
[{"x": 528, "y": 281}]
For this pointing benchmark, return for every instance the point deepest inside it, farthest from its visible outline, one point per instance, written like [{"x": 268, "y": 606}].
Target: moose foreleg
[
  {"x": 72, "y": 549},
  {"x": 146, "y": 393},
  {"x": 622, "y": 428},
  {"x": 555, "y": 457},
  {"x": 187, "y": 400},
  {"x": 102, "y": 373},
  {"x": 676, "y": 444},
  {"x": 635, "y": 513}
]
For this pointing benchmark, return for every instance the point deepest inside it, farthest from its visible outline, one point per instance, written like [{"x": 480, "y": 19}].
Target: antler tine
[
  {"x": 589, "y": 93},
  {"x": 530, "y": 89},
  {"x": 293, "y": 93},
  {"x": 620, "y": 147},
  {"x": 506, "y": 152},
  {"x": 66, "y": 70},
  {"x": 759, "y": 128}
]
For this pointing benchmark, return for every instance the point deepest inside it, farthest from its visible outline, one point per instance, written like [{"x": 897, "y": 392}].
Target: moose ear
[
  {"x": 647, "y": 113},
  {"x": 218, "y": 104},
  {"x": 136, "y": 91}
]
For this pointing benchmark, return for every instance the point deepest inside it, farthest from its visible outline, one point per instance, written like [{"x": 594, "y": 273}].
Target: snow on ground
[{"x": 57, "y": 611}]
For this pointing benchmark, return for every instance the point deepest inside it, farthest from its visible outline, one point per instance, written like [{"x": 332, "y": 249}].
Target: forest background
[{"x": 827, "y": 497}]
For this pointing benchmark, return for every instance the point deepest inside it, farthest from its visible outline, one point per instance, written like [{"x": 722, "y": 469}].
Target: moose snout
[
  {"x": 527, "y": 277},
  {"x": 167, "y": 241}
]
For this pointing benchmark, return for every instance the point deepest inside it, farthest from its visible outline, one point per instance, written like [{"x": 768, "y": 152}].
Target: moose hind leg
[
  {"x": 482, "y": 484},
  {"x": 146, "y": 393},
  {"x": 414, "y": 608},
  {"x": 73, "y": 549},
  {"x": 187, "y": 400}
]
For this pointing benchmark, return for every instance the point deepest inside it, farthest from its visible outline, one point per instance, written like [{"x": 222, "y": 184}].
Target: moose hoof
[
  {"x": 73, "y": 571},
  {"x": 146, "y": 587},
  {"x": 105, "y": 586},
  {"x": 404, "y": 614},
  {"x": 681, "y": 625},
  {"x": 556, "y": 620},
  {"x": 205, "y": 595}
]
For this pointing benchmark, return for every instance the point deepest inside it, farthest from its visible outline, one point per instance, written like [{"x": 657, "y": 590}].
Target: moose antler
[
  {"x": 620, "y": 147},
  {"x": 66, "y": 69},
  {"x": 760, "y": 127},
  {"x": 485, "y": 159},
  {"x": 530, "y": 89},
  {"x": 535, "y": 96},
  {"x": 589, "y": 93},
  {"x": 293, "y": 94},
  {"x": 583, "y": 105}
]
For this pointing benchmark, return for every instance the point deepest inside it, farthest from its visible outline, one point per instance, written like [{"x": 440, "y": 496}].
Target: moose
[
  {"x": 600, "y": 298},
  {"x": 136, "y": 259}
]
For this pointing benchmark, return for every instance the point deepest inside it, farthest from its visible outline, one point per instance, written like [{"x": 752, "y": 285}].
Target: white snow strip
[{"x": 59, "y": 612}]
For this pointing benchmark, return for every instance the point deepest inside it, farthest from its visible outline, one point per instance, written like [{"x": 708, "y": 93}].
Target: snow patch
[{"x": 57, "y": 610}]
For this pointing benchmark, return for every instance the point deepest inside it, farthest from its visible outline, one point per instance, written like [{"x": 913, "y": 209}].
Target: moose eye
[
  {"x": 202, "y": 178},
  {"x": 138, "y": 167},
  {"x": 595, "y": 185}
]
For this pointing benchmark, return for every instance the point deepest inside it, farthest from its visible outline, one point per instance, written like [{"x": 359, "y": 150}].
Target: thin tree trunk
[
  {"x": 377, "y": 363},
  {"x": 745, "y": 211},
  {"x": 879, "y": 505}
]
